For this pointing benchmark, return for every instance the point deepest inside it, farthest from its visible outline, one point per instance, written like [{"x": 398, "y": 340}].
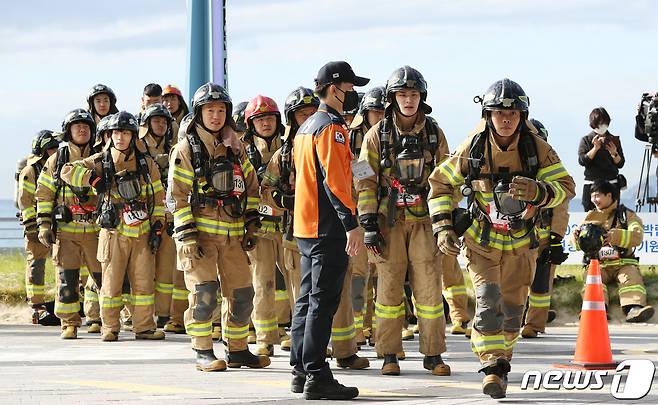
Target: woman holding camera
[{"x": 601, "y": 154}]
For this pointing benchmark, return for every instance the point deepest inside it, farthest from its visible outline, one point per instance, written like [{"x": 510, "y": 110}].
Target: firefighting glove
[
  {"x": 32, "y": 233},
  {"x": 155, "y": 237},
  {"x": 448, "y": 242},
  {"x": 192, "y": 249},
  {"x": 527, "y": 189},
  {"x": 46, "y": 237},
  {"x": 98, "y": 183},
  {"x": 372, "y": 237},
  {"x": 284, "y": 200},
  {"x": 249, "y": 238},
  {"x": 557, "y": 254}
]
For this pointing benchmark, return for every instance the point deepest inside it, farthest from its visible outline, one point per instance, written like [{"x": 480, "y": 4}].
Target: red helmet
[
  {"x": 171, "y": 89},
  {"x": 259, "y": 106}
]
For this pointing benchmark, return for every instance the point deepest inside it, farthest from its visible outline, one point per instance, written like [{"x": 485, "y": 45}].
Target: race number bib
[
  {"x": 266, "y": 210},
  {"x": 361, "y": 169},
  {"x": 239, "y": 185},
  {"x": 134, "y": 217},
  {"x": 498, "y": 221},
  {"x": 407, "y": 200},
  {"x": 608, "y": 253}
]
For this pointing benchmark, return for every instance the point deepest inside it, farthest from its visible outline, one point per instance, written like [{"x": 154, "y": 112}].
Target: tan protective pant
[
  {"x": 411, "y": 247},
  {"x": 89, "y": 283},
  {"x": 454, "y": 289},
  {"x": 165, "y": 267},
  {"x": 35, "y": 271},
  {"x": 292, "y": 262},
  {"x": 227, "y": 262},
  {"x": 630, "y": 281},
  {"x": 369, "y": 321},
  {"x": 120, "y": 256},
  {"x": 501, "y": 280},
  {"x": 68, "y": 258},
  {"x": 540, "y": 302},
  {"x": 360, "y": 279},
  {"x": 264, "y": 261},
  {"x": 179, "y": 296}
]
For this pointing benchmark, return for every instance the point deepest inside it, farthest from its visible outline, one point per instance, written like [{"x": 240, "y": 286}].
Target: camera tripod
[{"x": 642, "y": 197}]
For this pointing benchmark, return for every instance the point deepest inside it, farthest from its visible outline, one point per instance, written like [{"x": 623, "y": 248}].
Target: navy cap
[{"x": 337, "y": 72}]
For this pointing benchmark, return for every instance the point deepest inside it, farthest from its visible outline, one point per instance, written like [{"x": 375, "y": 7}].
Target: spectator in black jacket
[{"x": 601, "y": 154}]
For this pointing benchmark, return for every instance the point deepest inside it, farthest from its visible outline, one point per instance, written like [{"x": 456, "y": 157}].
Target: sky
[{"x": 569, "y": 56}]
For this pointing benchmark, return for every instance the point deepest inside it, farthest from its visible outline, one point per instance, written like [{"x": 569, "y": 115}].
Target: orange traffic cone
[{"x": 593, "y": 345}]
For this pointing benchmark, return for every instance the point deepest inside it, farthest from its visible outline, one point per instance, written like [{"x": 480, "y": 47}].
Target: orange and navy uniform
[{"x": 324, "y": 207}]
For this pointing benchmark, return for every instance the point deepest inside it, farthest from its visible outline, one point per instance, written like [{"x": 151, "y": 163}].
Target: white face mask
[{"x": 601, "y": 130}]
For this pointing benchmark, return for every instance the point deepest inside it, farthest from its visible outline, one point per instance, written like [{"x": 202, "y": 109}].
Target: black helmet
[
  {"x": 210, "y": 93},
  {"x": 101, "y": 128},
  {"x": 123, "y": 120},
  {"x": 102, "y": 89},
  {"x": 43, "y": 141},
  {"x": 77, "y": 115},
  {"x": 407, "y": 78},
  {"x": 504, "y": 95},
  {"x": 541, "y": 129},
  {"x": 155, "y": 110},
  {"x": 590, "y": 238},
  {"x": 373, "y": 99},
  {"x": 299, "y": 98},
  {"x": 238, "y": 116}
]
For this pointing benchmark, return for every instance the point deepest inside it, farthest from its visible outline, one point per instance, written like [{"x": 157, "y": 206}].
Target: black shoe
[
  {"x": 162, "y": 321},
  {"x": 316, "y": 388},
  {"x": 551, "y": 316},
  {"x": 495, "y": 379},
  {"x": 297, "y": 383},
  {"x": 639, "y": 313},
  {"x": 206, "y": 361},
  {"x": 247, "y": 359}
]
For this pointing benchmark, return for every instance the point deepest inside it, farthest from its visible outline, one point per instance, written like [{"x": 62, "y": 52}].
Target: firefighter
[
  {"x": 170, "y": 293},
  {"x": 325, "y": 226},
  {"x": 173, "y": 100},
  {"x": 213, "y": 194},
  {"x": 73, "y": 233},
  {"x": 44, "y": 145},
  {"x": 131, "y": 215},
  {"x": 551, "y": 228},
  {"x": 507, "y": 174},
  {"x": 610, "y": 233},
  {"x": 371, "y": 111},
  {"x": 261, "y": 139},
  {"x": 238, "y": 117},
  {"x": 101, "y": 102},
  {"x": 398, "y": 154}
]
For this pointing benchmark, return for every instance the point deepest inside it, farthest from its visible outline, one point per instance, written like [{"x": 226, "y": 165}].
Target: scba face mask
[
  {"x": 410, "y": 162},
  {"x": 128, "y": 186},
  {"x": 509, "y": 211},
  {"x": 220, "y": 177}
]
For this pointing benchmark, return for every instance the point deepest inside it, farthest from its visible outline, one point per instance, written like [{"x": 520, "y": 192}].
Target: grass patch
[{"x": 12, "y": 277}]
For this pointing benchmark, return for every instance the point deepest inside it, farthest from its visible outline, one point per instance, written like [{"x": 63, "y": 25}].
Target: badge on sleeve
[{"x": 339, "y": 137}]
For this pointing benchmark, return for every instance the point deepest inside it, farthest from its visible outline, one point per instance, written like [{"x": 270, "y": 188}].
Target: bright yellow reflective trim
[
  {"x": 451, "y": 173},
  {"x": 429, "y": 311},
  {"x": 164, "y": 288},
  {"x": 483, "y": 344},
  {"x": 199, "y": 329},
  {"x": 67, "y": 308},
  {"x": 144, "y": 299},
  {"x": 389, "y": 311},
  {"x": 180, "y": 295},
  {"x": 111, "y": 302}
]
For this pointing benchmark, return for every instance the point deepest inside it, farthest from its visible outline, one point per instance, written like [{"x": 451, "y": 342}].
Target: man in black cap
[{"x": 325, "y": 227}]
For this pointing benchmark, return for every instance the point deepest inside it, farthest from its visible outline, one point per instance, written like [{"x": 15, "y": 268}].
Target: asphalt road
[{"x": 36, "y": 367}]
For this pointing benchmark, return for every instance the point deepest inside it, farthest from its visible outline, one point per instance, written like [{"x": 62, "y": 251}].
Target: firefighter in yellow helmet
[
  {"x": 398, "y": 155},
  {"x": 44, "y": 145},
  {"x": 157, "y": 135},
  {"x": 131, "y": 215},
  {"x": 66, "y": 217},
  {"x": 507, "y": 173},
  {"x": 213, "y": 194}
]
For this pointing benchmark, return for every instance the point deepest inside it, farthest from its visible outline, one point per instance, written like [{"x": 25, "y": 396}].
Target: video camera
[{"x": 646, "y": 120}]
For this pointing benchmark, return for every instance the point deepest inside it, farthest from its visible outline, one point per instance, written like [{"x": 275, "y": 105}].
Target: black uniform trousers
[{"x": 323, "y": 266}]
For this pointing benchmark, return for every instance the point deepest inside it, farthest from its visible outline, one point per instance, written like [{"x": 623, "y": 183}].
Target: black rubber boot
[
  {"x": 207, "y": 361},
  {"x": 494, "y": 383},
  {"x": 318, "y": 388},
  {"x": 247, "y": 359},
  {"x": 162, "y": 321}
]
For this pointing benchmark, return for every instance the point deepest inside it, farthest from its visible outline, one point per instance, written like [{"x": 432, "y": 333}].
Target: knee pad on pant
[
  {"x": 69, "y": 288},
  {"x": 243, "y": 304},
  {"x": 38, "y": 271},
  {"x": 358, "y": 301},
  {"x": 513, "y": 316},
  {"x": 488, "y": 314},
  {"x": 206, "y": 300},
  {"x": 540, "y": 282}
]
